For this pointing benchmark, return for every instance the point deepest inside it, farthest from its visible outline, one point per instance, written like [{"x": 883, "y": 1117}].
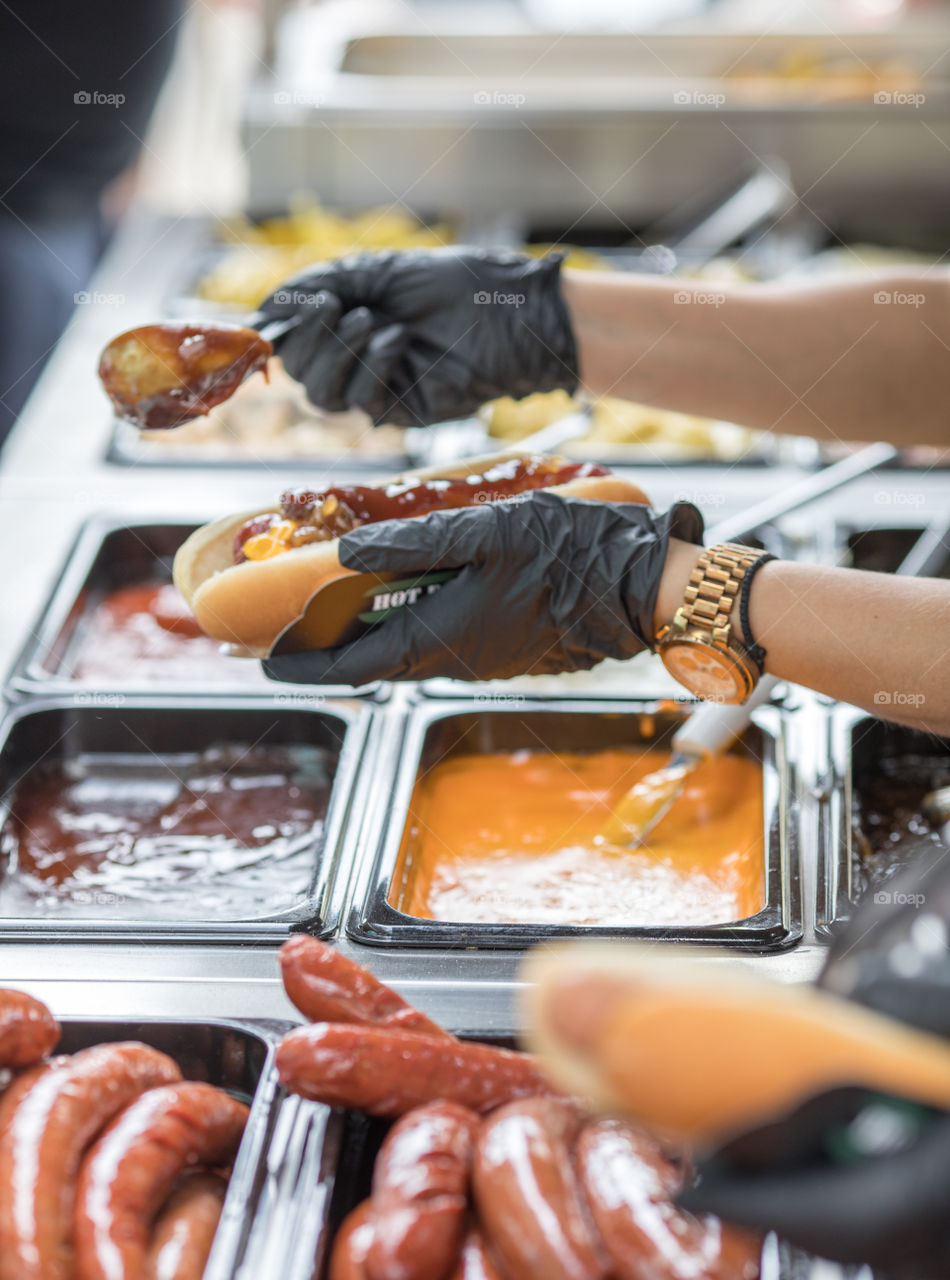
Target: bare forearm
[
  {"x": 880, "y": 642},
  {"x": 829, "y": 359}
]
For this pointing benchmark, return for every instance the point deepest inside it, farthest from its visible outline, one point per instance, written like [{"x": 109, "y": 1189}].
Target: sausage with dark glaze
[
  {"x": 387, "y": 1072},
  {"x": 420, "y": 1193},
  {"x": 184, "y": 1230},
  {"x": 131, "y": 1170},
  {"x": 629, "y": 1185},
  {"x": 44, "y": 1134},
  {"x": 327, "y": 987},
  {"x": 528, "y": 1197}
]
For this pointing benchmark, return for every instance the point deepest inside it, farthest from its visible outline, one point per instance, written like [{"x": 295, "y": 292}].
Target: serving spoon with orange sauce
[{"x": 707, "y": 732}]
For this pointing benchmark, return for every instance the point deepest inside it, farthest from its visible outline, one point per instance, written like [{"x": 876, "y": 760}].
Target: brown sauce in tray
[
  {"x": 229, "y": 831},
  {"x": 513, "y": 838},
  {"x": 888, "y": 825},
  {"x": 145, "y": 633}
]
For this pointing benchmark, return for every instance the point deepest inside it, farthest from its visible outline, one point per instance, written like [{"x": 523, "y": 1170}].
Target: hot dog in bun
[{"x": 249, "y": 577}]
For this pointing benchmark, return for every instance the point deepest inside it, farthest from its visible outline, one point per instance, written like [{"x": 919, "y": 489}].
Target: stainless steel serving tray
[
  {"x": 48, "y": 728},
  {"x": 110, "y": 552},
  {"x": 433, "y": 730},
  {"x": 236, "y": 1055},
  {"x": 883, "y": 544},
  {"x": 851, "y": 736},
  {"x": 127, "y": 449}
]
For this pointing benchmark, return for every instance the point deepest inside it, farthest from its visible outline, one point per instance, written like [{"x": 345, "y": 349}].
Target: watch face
[{"x": 703, "y": 671}]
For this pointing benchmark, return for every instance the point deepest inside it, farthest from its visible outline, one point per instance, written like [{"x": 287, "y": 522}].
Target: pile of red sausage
[
  {"x": 489, "y": 1173},
  {"x": 111, "y": 1166}
]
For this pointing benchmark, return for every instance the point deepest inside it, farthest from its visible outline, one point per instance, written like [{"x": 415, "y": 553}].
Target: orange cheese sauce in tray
[{"x": 509, "y": 838}]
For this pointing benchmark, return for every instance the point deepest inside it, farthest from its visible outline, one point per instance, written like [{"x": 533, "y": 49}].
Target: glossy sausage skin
[
  {"x": 420, "y": 1193},
  {"x": 132, "y": 1168},
  {"x": 184, "y": 1230},
  {"x": 476, "y": 1262},
  {"x": 28, "y": 1031},
  {"x": 629, "y": 1183},
  {"x": 528, "y": 1197},
  {"x": 351, "y": 1245},
  {"x": 327, "y": 987},
  {"x": 42, "y": 1140},
  {"x": 387, "y": 1072}
]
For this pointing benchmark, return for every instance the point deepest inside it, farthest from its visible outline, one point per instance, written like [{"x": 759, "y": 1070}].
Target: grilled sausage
[
  {"x": 131, "y": 1170},
  {"x": 420, "y": 1193},
  {"x": 629, "y": 1185},
  {"x": 184, "y": 1230},
  {"x": 352, "y": 1244},
  {"x": 476, "y": 1262},
  {"x": 388, "y": 1072},
  {"x": 528, "y": 1197},
  {"x": 44, "y": 1134},
  {"x": 327, "y": 987},
  {"x": 28, "y": 1031}
]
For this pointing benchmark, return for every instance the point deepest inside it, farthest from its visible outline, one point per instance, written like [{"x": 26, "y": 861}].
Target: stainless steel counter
[{"x": 54, "y": 477}]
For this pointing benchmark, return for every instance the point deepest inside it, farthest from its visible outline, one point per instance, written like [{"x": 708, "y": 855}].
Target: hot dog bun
[
  {"x": 250, "y": 604},
  {"x": 702, "y": 1048}
]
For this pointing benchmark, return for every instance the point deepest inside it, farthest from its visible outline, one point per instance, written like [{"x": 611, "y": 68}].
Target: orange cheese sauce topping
[{"x": 515, "y": 838}]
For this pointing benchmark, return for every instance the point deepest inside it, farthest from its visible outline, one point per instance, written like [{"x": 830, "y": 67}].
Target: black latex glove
[
  {"x": 547, "y": 584},
  {"x": 425, "y": 335},
  {"x": 849, "y": 1176},
  {"x": 802, "y": 1176}
]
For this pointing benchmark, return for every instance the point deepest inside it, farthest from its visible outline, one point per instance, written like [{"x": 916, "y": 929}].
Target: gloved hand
[
  {"x": 849, "y": 1175},
  {"x": 546, "y": 584},
  {"x": 425, "y": 335}
]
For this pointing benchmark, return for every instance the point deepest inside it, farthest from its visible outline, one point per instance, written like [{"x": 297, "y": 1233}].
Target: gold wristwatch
[{"x": 704, "y": 646}]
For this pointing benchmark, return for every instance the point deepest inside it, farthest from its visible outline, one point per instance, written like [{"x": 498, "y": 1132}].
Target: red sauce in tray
[
  {"x": 314, "y": 515},
  {"x": 227, "y": 831},
  {"x": 145, "y": 632}
]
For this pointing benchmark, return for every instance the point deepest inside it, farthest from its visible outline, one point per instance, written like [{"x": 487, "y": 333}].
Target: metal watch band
[{"x": 710, "y": 602}]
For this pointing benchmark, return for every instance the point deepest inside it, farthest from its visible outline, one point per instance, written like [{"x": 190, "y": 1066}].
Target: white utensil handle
[{"x": 713, "y": 726}]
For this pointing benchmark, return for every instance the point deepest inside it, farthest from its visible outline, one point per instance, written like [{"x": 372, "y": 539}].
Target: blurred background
[{"x": 731, "y": 139}]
